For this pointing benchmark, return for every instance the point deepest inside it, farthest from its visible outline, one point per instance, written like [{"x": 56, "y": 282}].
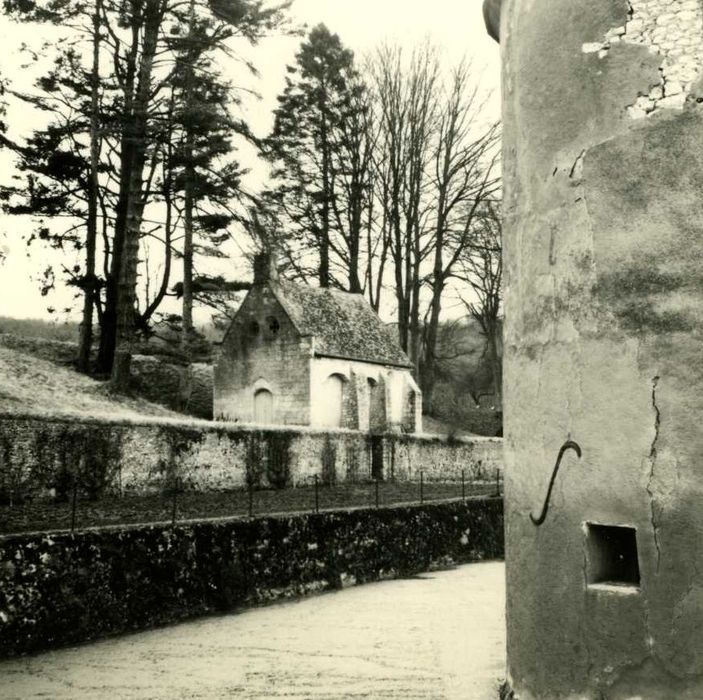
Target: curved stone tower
[{"x": 603, "y": 166}]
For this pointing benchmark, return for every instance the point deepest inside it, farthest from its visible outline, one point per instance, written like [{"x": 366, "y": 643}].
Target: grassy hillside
[
  {"x": 36, "y": 373},
  {"x": 32, "y": 384}
]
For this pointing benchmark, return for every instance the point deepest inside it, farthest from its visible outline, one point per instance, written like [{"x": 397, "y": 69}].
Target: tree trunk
[
  {"x": 324, "y": 270},
  {"x": 355, "y": 286},
  {"x": 187, "y": 323},
  {"x": 90, "y": 289},
  {"x": 167, "y": 192},
  {"x": 356, "y": 222},
  {"x": 401, "y": 299},
  {"x": 438, "y": 280},
  {"x": 108, "y": 327},
  {"x": 127, "y": 282},
  {"x": 414, "y": 323},
  {"x": 187, "y": 314},
  {"x": 429, "y": 360}
]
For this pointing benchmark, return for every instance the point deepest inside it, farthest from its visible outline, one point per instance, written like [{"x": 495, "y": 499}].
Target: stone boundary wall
[
  {"x": 58, "y": 589},
  {"x": 41, "y": 456}
]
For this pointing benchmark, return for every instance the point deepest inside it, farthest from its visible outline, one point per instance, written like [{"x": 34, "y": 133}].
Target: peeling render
[{"x": 672, "y": 29}]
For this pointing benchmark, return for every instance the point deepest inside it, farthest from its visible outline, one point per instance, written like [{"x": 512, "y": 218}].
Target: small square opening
[{"x": 612, "y": 556}]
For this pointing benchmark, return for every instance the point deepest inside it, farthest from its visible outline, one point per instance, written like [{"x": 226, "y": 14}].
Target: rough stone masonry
[{"x": 603, "y": 167}]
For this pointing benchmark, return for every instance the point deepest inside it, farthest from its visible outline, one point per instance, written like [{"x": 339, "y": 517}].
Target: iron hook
[{"x": 568, "y": 445}]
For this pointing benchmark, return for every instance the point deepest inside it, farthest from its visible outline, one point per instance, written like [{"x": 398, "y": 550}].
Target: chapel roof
[{"x": 342, "y": 324}]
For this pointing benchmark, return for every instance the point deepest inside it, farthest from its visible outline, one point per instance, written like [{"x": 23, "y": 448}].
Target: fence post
[
  {"x": 73, "y": 503},
  {"x": 422, "y": 487},
  {"x": 317, "y": 494},
  {"x": 497, "y": 482},
  {"x": 463, "y": 485},
  {"x": 250, "y": 490},
  {"x": 376, "y": 482}
]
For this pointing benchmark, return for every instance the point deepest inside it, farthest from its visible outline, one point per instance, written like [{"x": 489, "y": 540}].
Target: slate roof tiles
[{"x": 343, "y": 325}]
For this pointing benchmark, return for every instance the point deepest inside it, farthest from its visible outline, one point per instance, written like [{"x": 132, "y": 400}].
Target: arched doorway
[{"x": 263, "y": 407}]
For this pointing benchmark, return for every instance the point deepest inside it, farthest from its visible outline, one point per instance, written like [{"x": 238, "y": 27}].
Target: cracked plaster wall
[
  {"x": 604, "y": 311},
  {"x": 671, "y": 30}
]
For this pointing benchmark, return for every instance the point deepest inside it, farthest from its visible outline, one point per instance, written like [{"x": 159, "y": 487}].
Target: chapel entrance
[{"x": 263, "y": 407}]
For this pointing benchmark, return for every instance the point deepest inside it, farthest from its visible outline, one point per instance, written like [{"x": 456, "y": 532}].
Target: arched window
[
  {"x": 333, "y": 400},
  {"x": 263, "y": 407}
]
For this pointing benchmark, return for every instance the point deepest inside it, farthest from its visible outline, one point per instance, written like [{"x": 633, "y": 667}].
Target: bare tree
[
  {"x": 407, "y": 106},
  {"x": 482, "y": 268},
  {"x": 464, "y": 178},
  {"x": 435, "y": 167}
]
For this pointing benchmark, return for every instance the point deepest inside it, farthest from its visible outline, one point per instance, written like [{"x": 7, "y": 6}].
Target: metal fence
[{"x": 176, "y": 503}]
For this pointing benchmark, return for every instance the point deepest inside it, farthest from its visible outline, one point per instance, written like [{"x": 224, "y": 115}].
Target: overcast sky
[{"x": 455, "y": 26}]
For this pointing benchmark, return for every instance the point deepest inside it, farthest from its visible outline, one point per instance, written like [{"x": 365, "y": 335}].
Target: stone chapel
[{"x": 305, "y": 356}]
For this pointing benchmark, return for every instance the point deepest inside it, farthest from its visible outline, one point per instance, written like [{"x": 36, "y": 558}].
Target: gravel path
[{"x": 438, "y": 635}]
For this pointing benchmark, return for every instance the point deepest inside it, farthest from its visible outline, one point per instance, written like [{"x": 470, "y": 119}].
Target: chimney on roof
[{"x": 265, "y": 267}]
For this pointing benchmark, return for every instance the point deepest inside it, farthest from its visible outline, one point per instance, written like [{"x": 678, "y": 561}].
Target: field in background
[{"x": 37, "y": 328}]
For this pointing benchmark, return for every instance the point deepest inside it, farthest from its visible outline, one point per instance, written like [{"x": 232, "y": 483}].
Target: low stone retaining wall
[
  {"x": 40, "y": 457},
  {"x": 68, "y": 588},
  {"x": 185, "y": 388}
]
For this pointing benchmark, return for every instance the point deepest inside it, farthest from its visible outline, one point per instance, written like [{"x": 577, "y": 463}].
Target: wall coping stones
[{"x": 231, "y": 427}]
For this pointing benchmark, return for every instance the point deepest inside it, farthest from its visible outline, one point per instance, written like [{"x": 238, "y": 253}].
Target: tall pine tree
[
  {"x": 123, "y": 107},
  {"x": 320, "y": 147}
]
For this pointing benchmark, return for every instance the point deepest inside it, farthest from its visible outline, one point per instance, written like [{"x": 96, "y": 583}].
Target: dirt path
[{"x": 439, "y": 635}]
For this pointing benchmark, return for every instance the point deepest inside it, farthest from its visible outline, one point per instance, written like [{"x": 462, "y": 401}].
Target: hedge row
[{"x": 69, "y": 588}]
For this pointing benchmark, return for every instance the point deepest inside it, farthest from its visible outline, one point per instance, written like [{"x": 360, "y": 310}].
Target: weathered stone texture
[
  {"x": 63, "y": 589},
  {"x": 184, "y": 388},
  {"x": 671, "y": 30},
  {"x": 312, "y": 351},
  {"x": 263, "y": 345},
  {"x": 39, "y": 457},
  {"x": 437, "y": 459},
  {"x": 604, "y": 311}
]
